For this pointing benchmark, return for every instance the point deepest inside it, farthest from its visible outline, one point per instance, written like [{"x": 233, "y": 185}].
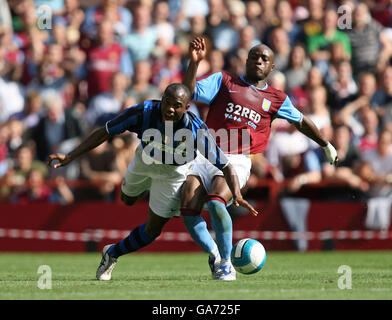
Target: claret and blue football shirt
[{"x": 236, "y": 105}]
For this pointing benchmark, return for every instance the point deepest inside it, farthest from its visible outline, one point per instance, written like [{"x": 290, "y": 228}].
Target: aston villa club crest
[{"x": 266, "y": 104}]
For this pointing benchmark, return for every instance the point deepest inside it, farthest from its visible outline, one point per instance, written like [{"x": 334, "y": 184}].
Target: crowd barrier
[{"x": 88, "y": 226}]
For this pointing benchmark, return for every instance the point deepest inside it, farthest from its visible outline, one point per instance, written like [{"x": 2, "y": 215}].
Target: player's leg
[
  {"x": 140, "y": 236},
  {"x": 136, "y": 181},
  {"x": 192, "y": 200},
  {"x": 221, "y": 222},
  {"x": 218, "y": 196}
]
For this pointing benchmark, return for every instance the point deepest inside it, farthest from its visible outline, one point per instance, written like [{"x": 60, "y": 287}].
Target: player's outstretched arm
[
  {"x": 232, "y": 182},
  {"x": 93, "y": 140},
  {"x": 308, "y": 128},
  {"x": 197, "y": 52}
]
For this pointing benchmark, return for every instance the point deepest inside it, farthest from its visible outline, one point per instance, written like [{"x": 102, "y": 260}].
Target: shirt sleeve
[
  {"x": 129, "y": 119},
  {"x": 207, "y": 89},
  {"x": 289, "y": 112}
]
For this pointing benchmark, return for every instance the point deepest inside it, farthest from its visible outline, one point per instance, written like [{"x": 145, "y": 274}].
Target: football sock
[
  {"x": 223, "y": 227},
  {"x": 197, "y": 228},
  {"x": 136, "y": 240}
]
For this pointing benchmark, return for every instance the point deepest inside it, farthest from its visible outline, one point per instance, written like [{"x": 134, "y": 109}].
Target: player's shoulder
[
  {"x": 194, "y": 120},
  {"x": 275, "y": 94},
  {"x": 150, "y": 104},
  {"x": 230, "y": 77}
]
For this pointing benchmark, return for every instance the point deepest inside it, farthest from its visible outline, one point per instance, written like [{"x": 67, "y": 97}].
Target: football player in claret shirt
[
  {"x": 244, "y": 107},
  {"x": 159, "y": 165}
]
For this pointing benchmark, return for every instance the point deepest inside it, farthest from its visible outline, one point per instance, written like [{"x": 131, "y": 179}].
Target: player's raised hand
[
  {"x": 62, "y": 159},
  {"x": 197, "y": 49},
  {"x": 239, "y": 201}
]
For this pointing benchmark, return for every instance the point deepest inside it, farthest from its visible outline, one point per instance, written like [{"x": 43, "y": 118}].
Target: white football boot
[
  {"x": 107, "y": 264},
  {"x": 214, "y": 263},
  {"x": 226, "y": 272}
]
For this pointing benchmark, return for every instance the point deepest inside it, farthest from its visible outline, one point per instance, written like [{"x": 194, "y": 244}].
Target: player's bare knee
[{"x": 129, "y": 201}]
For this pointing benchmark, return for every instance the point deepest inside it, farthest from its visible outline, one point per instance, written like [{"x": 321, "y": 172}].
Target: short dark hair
[{"x": 176, "y": 88}]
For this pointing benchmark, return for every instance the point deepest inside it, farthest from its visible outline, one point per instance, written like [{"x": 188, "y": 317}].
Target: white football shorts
[
  {"x": 164, "y": 182},
  {"x": 202, "y": 168}
]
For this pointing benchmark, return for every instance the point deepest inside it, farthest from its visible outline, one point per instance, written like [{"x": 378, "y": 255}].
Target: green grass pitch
[{"x": 286, "y": 275}]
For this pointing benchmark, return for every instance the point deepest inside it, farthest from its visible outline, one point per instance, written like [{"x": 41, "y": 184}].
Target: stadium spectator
[
  {"x": 16, "y": 135},
  {"x": 253, "y": 15},
  {"x": 56, "y": 127},
  {"x": 99, "y": 166},
  {"x": 106, "y": 105},
  {"x": 141, "y": 86},
  {"x": 277, "y": 80},
  {"x": 314, "y": 13},
  {"x": 344, "y": 87},
  {"x": 383, "y": 98},
  {"x": 217, "y": 15},
  {"x": 124, "y": 147},
  {"x": 377, "y": 166},
  {"x": 5, "y": 14},
  {"x": 290, "y": 157},
  {"x": 348, "y": 166},
  {"x": 285, "y": 14},
  {"x": 280, "y": 43},
  {"x": 369, "y": 120},
  {"x": 11, "y": 56},
  {"x": 236, "y": 58},
  {"x": 370, "y": 46},
  {"x": 300, "y": 95},
  {"x": 11, "y": 98},
  {"x": 4, "y": 156},
  {"x": 298, "y": 68},
  {"x": 319, "y": 113},
  {"x": 104, "y": 59},
  {"x": 268, "y": 14},
  {"x": 318, "y": 45},
  {"x": 119, "y": 16},
  {"x": 225, "y": 36},
  {"x": 376, "y": 169},
  {"x": 35, "y": 189},
  {"x": 171, "y": 70},
  {"x": 166, "y": 31},
  {"x": 286, "y": 21},
  {"x": 337, "y": 55},
  {"x": 74, "y": 16},
  {"x": 352, "y": 104},
  {"x": 51, "y": 75},
  {"x": 142, "y": 39},
  {"x": 25, "y": 162}
]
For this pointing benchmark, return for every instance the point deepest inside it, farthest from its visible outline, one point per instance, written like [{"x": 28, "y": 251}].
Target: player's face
[
  {"x": 260, "y": 63},
  {"x": 173, "y": 106}
]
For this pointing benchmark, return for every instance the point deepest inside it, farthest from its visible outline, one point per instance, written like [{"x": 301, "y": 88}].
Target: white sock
[{"x": 215, "y": 252}]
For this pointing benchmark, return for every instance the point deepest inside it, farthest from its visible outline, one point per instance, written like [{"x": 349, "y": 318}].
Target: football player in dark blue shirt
[{"x": 170, "y": 138}]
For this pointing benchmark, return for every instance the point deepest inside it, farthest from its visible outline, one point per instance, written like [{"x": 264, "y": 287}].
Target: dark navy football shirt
[{"x": 164, "y": 142}]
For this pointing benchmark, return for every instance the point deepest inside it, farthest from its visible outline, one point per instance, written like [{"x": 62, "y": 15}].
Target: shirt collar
[{"x": 264, "y": 88}]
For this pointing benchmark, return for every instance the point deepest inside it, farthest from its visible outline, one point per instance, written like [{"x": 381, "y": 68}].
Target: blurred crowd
[{"x": 64, "y": 74}]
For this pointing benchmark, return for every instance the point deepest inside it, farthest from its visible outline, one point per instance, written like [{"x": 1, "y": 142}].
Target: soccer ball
[{"x": 248, "y": 256}]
